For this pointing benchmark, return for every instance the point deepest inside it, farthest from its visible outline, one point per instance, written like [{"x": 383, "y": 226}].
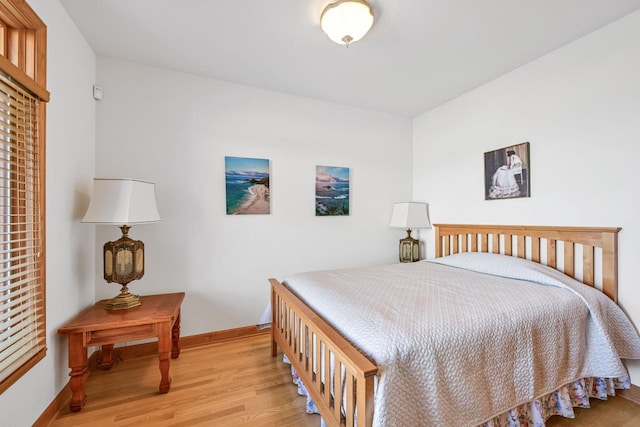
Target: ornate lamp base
[
  {"x": 123, "y": 301},
  {"x": 409, "y": 248}
]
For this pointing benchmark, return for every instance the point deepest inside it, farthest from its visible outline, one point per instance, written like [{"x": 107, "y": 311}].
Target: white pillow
[{"x": 505, "y": 266}]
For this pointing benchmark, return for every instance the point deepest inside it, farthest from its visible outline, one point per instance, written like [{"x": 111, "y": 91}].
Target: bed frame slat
[
  {"x": 327, "y": 376},
  {"x": 551, "y": 253},
  {"x": 337, "y": 392},
  {"x": 588, "y": 267},
  {"x": 495, "y": 243},
  {"x": 521, "y": 246},
  {"x": 508, "y": 244},
  {"x": 535, "y": 249},
  {"x": 569, "y": 259},
  {"x": 349, "y": 410}
]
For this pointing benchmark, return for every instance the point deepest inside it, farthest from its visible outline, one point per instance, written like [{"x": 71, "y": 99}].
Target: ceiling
[{"x": 418, "y": 54}]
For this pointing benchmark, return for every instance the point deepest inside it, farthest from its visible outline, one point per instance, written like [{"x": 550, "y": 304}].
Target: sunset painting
[
  {"x": 247, "y": 182},
  {"x": 332, "y": 191}
]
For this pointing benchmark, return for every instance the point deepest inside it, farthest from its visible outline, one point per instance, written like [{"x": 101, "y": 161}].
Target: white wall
[
  {"x": 70, "y": 245},
  {"x": 579, "y": 107},
  {"x": 175, "y": 129}
]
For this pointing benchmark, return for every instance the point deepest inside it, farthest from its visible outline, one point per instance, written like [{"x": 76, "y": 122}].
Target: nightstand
[{"x": 158, "y": 316}]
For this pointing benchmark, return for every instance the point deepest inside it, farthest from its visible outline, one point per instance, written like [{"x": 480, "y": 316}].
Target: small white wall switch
[{"x": 97, "y": 93}]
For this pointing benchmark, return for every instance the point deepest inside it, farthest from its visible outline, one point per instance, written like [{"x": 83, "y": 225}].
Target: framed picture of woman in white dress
[{"x": 507, "y": 172}]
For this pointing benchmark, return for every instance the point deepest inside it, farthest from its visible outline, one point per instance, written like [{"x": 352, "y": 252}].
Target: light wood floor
[
  {"x": 237, "y": 383},
  {"x": 613, "y": 412}
]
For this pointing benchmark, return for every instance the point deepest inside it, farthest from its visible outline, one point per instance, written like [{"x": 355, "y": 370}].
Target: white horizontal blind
[{"x": 22, "y": 334}]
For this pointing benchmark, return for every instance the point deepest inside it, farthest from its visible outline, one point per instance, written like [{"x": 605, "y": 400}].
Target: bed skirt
[{"x": 534, "y": 413}]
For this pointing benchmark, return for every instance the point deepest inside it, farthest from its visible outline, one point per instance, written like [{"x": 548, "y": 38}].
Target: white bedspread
[{"x": 469, "y": 344}]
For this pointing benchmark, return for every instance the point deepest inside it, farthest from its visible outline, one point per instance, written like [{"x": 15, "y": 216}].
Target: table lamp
[
  {"x": 410, "y": 215},
  {"x": 123, "y": 202}
]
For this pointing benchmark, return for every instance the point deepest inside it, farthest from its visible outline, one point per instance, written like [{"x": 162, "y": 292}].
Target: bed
[{"x": 356, "y": 375}]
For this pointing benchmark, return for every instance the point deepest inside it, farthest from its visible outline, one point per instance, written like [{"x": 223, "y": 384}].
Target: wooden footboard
[{"x": 313, "y": 347}]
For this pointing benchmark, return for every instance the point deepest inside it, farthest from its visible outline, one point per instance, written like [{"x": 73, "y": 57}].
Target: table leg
[
  {"x": 164, "y": 352},
  {"x": 175, "y": 338},
  {"x": 79, "y": 371},
  {"x": 107, "y": 357}
]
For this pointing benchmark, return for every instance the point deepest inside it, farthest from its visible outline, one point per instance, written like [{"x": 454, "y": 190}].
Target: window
[{"x": 22, "y": 190}]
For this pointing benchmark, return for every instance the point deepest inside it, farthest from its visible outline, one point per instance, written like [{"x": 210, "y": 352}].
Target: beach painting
[
  {"x": 332, "y": 191},
  {"x": 247, "y": 183}
]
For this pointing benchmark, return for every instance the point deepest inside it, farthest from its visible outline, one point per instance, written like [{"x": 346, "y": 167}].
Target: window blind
[{"x": 22, "y": 334}]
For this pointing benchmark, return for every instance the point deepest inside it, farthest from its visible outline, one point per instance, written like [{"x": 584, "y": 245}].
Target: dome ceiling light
[{"x": 346, "y": 21}]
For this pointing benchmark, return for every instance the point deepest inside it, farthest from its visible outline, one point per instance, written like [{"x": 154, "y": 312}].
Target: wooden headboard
[{"x": 546, "y": 245}]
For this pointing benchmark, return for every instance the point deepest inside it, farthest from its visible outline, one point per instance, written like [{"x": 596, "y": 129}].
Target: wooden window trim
[
  {"x": 19, "y": 76},
  {"x": 23, "y": 57}
]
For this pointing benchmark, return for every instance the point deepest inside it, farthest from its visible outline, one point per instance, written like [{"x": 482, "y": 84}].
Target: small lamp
[
  {"x": 123, "y": 202},
  {"x": 346, "y": 21},
  {"x": 410, "y": 215}
]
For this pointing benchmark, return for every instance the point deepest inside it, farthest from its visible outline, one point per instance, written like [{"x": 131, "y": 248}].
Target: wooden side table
[{"x": 158, "y": 316}]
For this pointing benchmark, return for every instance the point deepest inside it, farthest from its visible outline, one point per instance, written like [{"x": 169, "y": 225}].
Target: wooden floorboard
[{"x": 238, "y": 383}]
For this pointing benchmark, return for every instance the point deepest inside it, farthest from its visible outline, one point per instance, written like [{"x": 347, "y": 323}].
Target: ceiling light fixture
[{"x": 346, "y": 21}]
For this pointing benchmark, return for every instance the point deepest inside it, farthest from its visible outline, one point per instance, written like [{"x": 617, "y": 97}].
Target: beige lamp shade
[
  {"x": 122, "y": 201},
  {"x": 410, "y": 215},
  {"x": 346, "y": 21}
]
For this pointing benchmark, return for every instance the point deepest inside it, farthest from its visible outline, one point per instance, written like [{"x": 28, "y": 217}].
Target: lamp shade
[
  {"x": 410, "y": 215},
  {"x": 122, "y": 201},
  {"x": 346, "y": 21}
]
